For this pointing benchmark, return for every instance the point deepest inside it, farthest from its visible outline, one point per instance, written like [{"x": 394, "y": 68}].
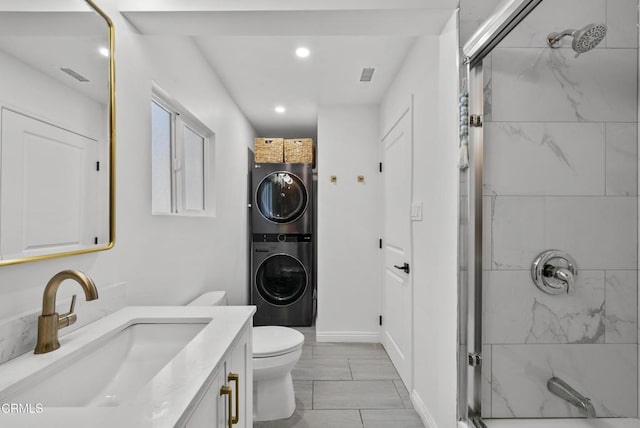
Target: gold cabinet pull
[
  {"x": 225, "y": 390},
  {"x": 236, "y": 379}
]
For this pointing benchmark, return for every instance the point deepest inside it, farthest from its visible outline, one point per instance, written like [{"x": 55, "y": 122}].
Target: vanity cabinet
[
  {"x": 212, "y": 406},
  {"x": 227, "y": 402},
  {"x": 240, "y": 363}
]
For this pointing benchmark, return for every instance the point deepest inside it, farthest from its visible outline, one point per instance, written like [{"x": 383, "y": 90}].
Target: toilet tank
[{"x": 212, "y": 298}]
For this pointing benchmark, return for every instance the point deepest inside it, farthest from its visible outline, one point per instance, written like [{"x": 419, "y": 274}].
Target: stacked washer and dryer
[{"x": 282, "y": 285}]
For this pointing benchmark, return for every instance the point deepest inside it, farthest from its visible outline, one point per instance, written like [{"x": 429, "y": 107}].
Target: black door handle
[{"x": 404, "y": 267}]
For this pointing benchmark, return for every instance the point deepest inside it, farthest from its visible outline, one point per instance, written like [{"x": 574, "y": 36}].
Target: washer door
[
  {"x": 281, "y": 197},
  {"x": 281, "y": 279}
]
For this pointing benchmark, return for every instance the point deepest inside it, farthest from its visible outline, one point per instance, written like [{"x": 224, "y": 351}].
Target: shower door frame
[
  {"x": 470, "y": 293},
  {"x": 507, "y": 17}
]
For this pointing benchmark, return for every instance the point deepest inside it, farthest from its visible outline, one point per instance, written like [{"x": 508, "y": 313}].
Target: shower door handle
[{"x": 404, "y": 267}]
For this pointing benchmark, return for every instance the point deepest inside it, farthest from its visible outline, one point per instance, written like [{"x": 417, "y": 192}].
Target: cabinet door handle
[
  {"x": 236, "y": 379},
  {"x": 225, "y": 390}
]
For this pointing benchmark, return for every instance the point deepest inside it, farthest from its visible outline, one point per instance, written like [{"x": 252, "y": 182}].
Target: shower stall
[{"x": 548, "y": 279}]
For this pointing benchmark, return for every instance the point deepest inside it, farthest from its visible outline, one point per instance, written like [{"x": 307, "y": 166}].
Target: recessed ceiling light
[
  {"x": 280, "y": 109},
  {"x": 302, "y": 52},
  {"x": 104, "y": 51}
]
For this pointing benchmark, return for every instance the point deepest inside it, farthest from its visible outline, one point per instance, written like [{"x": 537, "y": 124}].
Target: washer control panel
[{"x": 282, "y": 237}]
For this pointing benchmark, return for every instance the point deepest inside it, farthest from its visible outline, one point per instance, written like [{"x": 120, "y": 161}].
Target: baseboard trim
[
  {"x": 347, "y": 336},
  {"x": 422, "y": 410}
]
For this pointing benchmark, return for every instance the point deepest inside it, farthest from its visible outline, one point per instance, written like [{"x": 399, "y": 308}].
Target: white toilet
[{"x": 276, "y": 350}]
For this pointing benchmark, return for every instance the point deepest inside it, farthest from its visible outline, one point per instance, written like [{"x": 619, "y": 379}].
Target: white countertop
[{"x": 162, "y": 401}]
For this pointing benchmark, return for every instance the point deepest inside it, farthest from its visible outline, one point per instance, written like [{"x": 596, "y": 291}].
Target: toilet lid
[{"x": 270, "y": 341}]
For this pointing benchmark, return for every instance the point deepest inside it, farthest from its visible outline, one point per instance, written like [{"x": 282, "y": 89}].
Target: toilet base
[{"x": 273, "y": 398}]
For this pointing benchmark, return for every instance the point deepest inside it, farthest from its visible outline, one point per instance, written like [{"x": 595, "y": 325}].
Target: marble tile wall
[
  {"x": 18, "y": 333},
  {"x": 560, "y": 171}
]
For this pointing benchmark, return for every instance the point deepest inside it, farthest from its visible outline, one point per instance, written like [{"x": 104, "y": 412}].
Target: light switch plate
[{"x": 416, "y": 211}]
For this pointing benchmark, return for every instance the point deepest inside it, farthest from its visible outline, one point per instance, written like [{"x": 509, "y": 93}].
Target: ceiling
[
  {"x": 49, "y": 41},
  {"x": 50, "y": 55},
  {"x": 262, "y": 72},
  {"x": 251, "y": 44}
]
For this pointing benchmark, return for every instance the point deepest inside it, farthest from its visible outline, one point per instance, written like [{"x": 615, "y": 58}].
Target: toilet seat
[{"x": 272, "y": 341}]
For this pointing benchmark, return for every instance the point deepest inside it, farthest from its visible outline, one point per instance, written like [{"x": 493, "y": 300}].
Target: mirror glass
[{"x": 56, "y": 132}]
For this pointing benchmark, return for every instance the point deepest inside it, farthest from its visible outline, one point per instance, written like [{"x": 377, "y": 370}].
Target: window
[{"x": 181, "y": 148}]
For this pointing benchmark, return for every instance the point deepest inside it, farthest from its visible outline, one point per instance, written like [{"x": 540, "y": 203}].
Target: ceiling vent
[
  {"x": 367, "y": 74},
  {"x": 71, "y": 72}
]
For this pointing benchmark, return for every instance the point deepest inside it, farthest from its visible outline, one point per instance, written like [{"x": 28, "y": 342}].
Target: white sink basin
[
  {"x": 143, "y": 367},
  {"x": 110, "y": 371}
]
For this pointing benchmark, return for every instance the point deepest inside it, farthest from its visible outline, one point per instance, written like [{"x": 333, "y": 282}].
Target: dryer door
[
  {"x": 281, "y": 197},
  {"x": 281, "y": 279}
]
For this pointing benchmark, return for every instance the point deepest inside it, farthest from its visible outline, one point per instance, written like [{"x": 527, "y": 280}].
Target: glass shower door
[{"x": 560, "y": 172}]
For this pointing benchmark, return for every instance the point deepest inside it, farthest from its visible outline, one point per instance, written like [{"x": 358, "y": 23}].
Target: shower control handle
[
  {"x": 404, "y": 267},
  {"x": 554, "y": 272}
]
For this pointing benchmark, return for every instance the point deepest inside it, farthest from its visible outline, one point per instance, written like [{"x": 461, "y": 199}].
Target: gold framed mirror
[{"x": 57, "y": 131}]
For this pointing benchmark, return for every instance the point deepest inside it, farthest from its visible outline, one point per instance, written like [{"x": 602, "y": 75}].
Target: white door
[
  {"x": 396, "y": 284},
  {"x": 49, "y": 188}
]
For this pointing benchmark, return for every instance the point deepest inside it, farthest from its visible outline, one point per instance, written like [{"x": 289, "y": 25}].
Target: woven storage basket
[
  {"x": 269, "y": 150},
  {"x": 298, "y": 150}
]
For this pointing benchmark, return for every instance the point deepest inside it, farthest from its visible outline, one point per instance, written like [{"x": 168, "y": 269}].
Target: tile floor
[{"x": 347, "y": 385}]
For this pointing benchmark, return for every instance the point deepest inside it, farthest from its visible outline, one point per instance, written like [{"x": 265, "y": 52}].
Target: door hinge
[
  {"x": 475, "y": 121},
  {"x": 474, "y": 360},
  {"x": 380, "y": 166},
  {"x": 380, "y": 242},
  {"x": 380, "y": 320},
  {"x": 98, "y": 166}
]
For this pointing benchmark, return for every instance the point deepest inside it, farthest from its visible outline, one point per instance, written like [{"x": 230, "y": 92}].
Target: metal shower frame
[{"x": 506, "y": 17}]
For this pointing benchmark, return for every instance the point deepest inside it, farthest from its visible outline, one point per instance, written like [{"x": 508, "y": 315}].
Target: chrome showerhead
[
  {"x": 584, "y": 39},
  {"x": 588, "y": 37}
]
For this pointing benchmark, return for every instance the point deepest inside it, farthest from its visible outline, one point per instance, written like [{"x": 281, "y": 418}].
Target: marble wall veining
[
  {"x": 598, "y": 371},
  {"x": 560, "y": 171}
]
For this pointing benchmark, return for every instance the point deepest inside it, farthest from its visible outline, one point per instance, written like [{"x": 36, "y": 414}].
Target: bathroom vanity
[{"x": 139, "y": 367}]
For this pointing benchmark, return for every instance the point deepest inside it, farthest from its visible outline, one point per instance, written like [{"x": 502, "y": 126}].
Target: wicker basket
[
  {"x": 298, "y": 150},
  {"x": 268, "y": 150}
]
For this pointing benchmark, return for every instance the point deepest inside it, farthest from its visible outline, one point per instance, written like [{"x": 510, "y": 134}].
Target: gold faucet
[{"x": 50, "y": 322}]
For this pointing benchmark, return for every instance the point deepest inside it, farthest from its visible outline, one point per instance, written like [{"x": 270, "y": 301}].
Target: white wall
[
  {"x": 443, "y": 288},
  {"x": 435, "y": 179},
  {"x": 38, "y": 95},
  {"x": 164, "y": 260},
  {"x": 348, "y": 253},
  {"x": 179, "y": 257}
]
